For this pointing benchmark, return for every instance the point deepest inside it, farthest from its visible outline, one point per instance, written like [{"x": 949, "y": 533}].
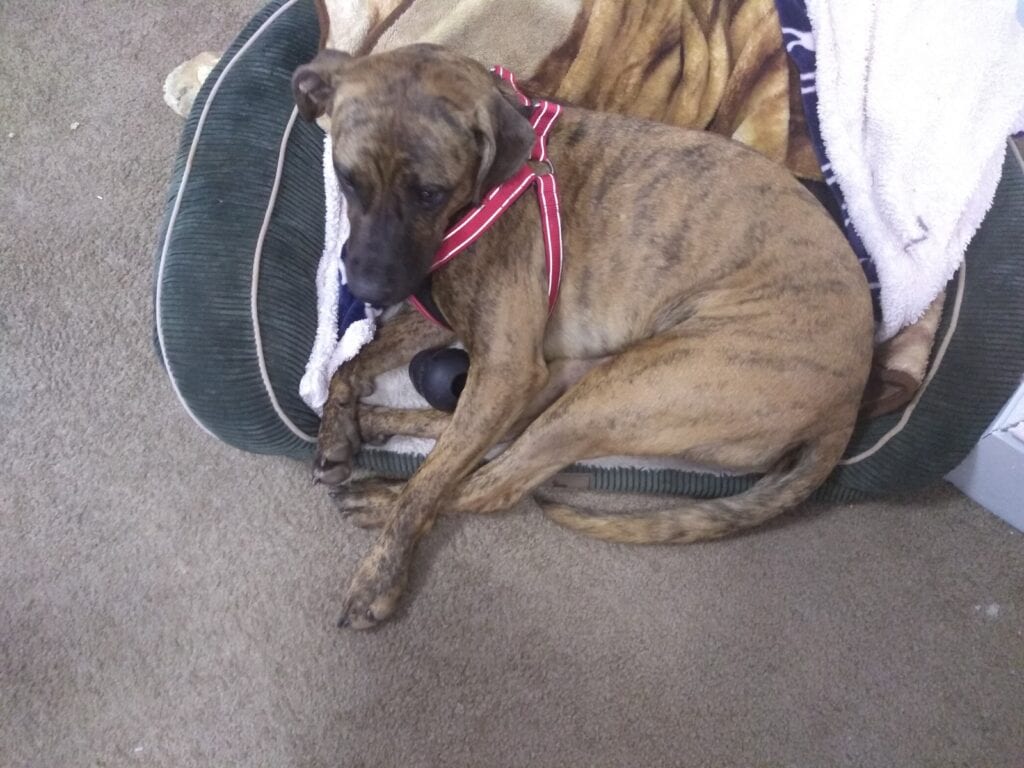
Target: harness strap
[{"x": 468, "y": 229}]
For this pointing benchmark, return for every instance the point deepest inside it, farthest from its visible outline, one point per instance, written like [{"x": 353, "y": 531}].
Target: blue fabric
[
  {"x": 350, "y": 309},
  {"x": 798, "y": 38}
]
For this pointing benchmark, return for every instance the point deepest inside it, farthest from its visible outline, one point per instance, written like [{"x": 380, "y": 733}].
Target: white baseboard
[{"x": 993, "y": 473}]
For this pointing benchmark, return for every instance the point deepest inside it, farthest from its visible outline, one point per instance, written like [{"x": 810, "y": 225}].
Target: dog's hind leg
[
  {"x": 368, "y": 503},
  {"x": 680, "y": 395},
  {"x": 377, "y": 423}
]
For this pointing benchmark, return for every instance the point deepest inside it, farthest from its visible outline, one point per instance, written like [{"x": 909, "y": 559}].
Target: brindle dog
[{"x": 709, "y": 309}]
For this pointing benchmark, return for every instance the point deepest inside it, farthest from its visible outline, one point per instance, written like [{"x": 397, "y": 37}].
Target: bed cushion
[{"x": 240, "y": 241}]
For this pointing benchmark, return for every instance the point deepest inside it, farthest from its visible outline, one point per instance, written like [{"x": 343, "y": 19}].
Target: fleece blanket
[{"x": 915, "y": 101}]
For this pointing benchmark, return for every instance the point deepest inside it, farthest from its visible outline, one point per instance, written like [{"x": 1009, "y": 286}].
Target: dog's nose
[
  {"x": 382, "y": 280},
  {"x": 375, "y": 298},
  {"x": 384, "y": 298},
  {"x": 372, "y": 289}
]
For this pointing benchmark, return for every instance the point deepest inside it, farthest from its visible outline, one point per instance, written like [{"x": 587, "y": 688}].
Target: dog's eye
[{"x": 429, "y": 197}]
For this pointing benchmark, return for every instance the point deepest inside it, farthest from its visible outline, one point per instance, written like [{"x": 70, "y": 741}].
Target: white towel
[
  {"x": 916, "y": 99},
  {"x": 329, "y": 352}
]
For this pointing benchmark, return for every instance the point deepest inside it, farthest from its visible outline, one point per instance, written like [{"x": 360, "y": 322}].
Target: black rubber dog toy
[{"x": 439, "y": 375}]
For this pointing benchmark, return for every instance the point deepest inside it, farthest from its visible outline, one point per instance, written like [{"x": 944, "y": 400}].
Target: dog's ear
[
  {"x": 313, "y": 84},
  {"x": 504, "y": 138}
]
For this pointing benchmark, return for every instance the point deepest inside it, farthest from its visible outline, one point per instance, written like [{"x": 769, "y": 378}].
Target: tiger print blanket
[{"x": 705, "y": 64}]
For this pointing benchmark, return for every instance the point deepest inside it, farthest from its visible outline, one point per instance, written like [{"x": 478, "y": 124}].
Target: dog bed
[{"x": 235, "y": 303}]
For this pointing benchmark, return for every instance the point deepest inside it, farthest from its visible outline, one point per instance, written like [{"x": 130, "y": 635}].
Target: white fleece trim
[{"x": 329, "y": 352}]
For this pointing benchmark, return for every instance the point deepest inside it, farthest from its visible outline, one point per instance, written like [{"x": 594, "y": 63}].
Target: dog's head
[{"x": 419, "y": 133}]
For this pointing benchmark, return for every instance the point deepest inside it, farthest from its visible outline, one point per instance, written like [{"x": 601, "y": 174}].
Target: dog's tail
[{"x": 783, "y": 488}]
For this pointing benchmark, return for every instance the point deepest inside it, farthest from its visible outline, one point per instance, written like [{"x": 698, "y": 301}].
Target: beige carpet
[{"x": 168, "y": 601}]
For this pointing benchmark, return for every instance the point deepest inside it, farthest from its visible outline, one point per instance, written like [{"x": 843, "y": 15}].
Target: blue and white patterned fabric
[
  {"x": 799, "y": 40},
  {"x": 798, "y": 37}
]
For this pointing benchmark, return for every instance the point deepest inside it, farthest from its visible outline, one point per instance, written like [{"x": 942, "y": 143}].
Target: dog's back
[{"x": 675, "y": 228}]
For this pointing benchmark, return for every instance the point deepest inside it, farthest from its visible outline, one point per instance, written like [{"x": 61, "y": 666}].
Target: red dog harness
[{"x": 468, "y": 229}]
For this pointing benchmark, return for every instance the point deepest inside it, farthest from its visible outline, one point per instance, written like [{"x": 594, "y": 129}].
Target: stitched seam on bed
[
  {"x": 254, "y": 289},
  {"x": 939, "y": 355},
  {"x": 177, "y": 205}
]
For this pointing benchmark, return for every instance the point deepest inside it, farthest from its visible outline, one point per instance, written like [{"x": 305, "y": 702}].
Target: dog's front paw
[
  {"x": 367, "y": 503},
  {"x": 332, "y": 464},
  {"x": 374, "y": 592},
  {"x": 337, "y": 444}
]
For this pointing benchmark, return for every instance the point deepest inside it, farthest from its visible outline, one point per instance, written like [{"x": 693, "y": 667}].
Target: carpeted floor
[{"x": 168, "y": 601}]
